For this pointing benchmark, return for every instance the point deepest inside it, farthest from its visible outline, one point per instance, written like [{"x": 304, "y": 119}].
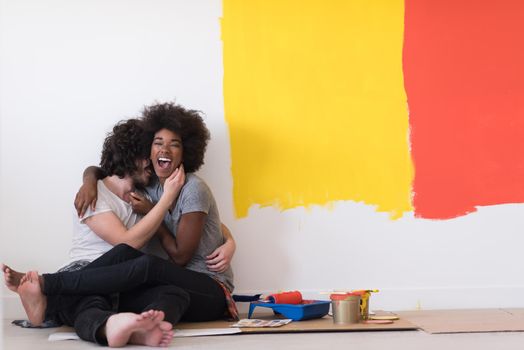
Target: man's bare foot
[
  {"x": 141, "y": 329},
  {"x": 12, "y": 278},
  {"x": 33, "y": 300}
]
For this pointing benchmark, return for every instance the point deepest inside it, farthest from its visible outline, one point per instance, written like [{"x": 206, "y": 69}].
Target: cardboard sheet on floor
[
  {"x": 324, "y": 324},
  {"x": 466, "y": 321}
]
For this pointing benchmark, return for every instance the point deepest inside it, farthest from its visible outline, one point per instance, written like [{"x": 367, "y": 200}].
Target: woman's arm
[
  {"x": 87, "y": 194},
  {"x": 181, "y": 249},
  {"x": 111, "y": 229}
]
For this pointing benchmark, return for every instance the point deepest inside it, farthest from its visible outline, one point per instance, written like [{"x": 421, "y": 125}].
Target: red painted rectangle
[{"x": 464, "y": 78}]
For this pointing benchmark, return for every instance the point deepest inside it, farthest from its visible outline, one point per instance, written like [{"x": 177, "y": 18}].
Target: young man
[{"x": 136, "y": 315}]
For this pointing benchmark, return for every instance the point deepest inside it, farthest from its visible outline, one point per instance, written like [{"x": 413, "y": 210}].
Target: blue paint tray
[{"x": 297, "y": 312}]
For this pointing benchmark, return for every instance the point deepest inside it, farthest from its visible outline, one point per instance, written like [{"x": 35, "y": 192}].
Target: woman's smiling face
[{"x": 166, "y": 153}]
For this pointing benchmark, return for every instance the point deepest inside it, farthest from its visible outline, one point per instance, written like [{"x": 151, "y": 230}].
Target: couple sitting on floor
[{"x": 115, "y": 291}]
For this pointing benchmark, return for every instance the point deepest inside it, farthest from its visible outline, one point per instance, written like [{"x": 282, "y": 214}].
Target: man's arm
[{"x": 87, "y": 194}]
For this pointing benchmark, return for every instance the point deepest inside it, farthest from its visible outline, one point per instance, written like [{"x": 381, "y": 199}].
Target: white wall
[{"x": 70, "y": 69}]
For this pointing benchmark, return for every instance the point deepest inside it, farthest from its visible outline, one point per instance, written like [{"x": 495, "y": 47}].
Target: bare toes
[{"x": 165, "y": 326}]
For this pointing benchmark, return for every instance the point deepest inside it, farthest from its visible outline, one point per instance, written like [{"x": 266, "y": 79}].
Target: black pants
[
  {"x": 87, "y": 313},
  {"x": 128, "y": 271},
  {"x": 90, "y": 313}
]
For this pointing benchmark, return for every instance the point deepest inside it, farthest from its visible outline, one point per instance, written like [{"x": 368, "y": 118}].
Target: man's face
[
  {"x": 166, "y": 153},
  {"x": 143, "y": 173}
]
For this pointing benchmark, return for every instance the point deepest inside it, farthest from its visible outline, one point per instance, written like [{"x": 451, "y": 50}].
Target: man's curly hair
[
  {"x": 186, "y": 123},
  {"x": 126, "y": 144}
]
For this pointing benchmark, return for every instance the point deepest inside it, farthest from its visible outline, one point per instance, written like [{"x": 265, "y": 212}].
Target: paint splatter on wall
[
  {"x": 317, "y": 111},
  {"x": 315, "y": 102}
]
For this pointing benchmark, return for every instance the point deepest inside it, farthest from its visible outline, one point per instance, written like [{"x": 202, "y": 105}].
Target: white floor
[{"x": 17, "y": 338}]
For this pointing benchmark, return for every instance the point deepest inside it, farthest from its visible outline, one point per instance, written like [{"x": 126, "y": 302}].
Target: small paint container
[
  {"x": 346, "y": 308},
  {"x": 364, "y": 301}
]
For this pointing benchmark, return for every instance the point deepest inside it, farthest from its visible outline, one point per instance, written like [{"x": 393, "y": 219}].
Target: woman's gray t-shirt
[{"x": 195, "y": 196}]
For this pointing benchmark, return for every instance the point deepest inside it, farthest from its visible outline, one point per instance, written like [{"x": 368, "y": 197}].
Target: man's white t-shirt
[{"x": 87, "y": 245}]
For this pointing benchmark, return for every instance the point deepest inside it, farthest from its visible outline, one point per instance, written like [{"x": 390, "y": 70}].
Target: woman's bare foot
[
  {"x": 33, "y": 300},
  {"x": 12, "y": 278},
  {"x": 141, "y": 329}
]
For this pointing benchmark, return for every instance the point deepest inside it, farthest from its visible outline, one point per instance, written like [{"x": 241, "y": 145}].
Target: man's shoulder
[
  {"x": 107, "y": 197},
  {"x": 106, "y": 201},
  {"x": 103, "y": 192}
]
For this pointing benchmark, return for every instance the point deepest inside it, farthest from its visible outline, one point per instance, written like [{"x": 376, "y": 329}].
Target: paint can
[
  {"x": 345, "y": 307},
  {"x": 364, "y": 301}
]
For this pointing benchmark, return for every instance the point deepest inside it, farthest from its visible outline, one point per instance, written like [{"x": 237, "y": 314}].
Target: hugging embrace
[{"x": 148, "y": 246}]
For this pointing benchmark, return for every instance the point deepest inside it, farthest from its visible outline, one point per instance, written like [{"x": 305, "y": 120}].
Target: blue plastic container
[{"x": 297, "y": 312}]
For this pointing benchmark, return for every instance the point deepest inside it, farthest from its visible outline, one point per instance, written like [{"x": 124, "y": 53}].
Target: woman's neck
[{"x": 120, "y": 186}]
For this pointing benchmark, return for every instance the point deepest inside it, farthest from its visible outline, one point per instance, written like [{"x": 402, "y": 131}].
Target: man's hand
[
  {"x": 86, "y": 197},
  {"x": 140, "y": 204}
]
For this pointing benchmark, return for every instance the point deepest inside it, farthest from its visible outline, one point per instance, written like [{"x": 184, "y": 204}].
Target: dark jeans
[
  {"x": 91, "y": 312},
  {"x": 128, "y": 271},
  {"x": 87, "y": 313}
]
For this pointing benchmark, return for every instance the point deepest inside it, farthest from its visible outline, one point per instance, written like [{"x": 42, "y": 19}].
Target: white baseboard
[{"x": 392, "y": 299}]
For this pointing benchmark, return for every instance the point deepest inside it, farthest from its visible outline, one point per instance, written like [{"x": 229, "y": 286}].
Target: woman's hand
[
  {"x": 140, "y": 204},
  {"x": 174, "y": 183},
  {"x": 86, "y": 197},
  {"x": 220, "y": 259}
]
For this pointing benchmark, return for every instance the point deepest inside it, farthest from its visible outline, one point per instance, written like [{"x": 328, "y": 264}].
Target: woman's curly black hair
[
  {"x": 186, "y": 123},
  {"x": 126, "y": 144}
]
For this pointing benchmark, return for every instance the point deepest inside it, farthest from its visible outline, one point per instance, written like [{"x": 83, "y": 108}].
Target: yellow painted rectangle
[{"x": 315, "y": 103}]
